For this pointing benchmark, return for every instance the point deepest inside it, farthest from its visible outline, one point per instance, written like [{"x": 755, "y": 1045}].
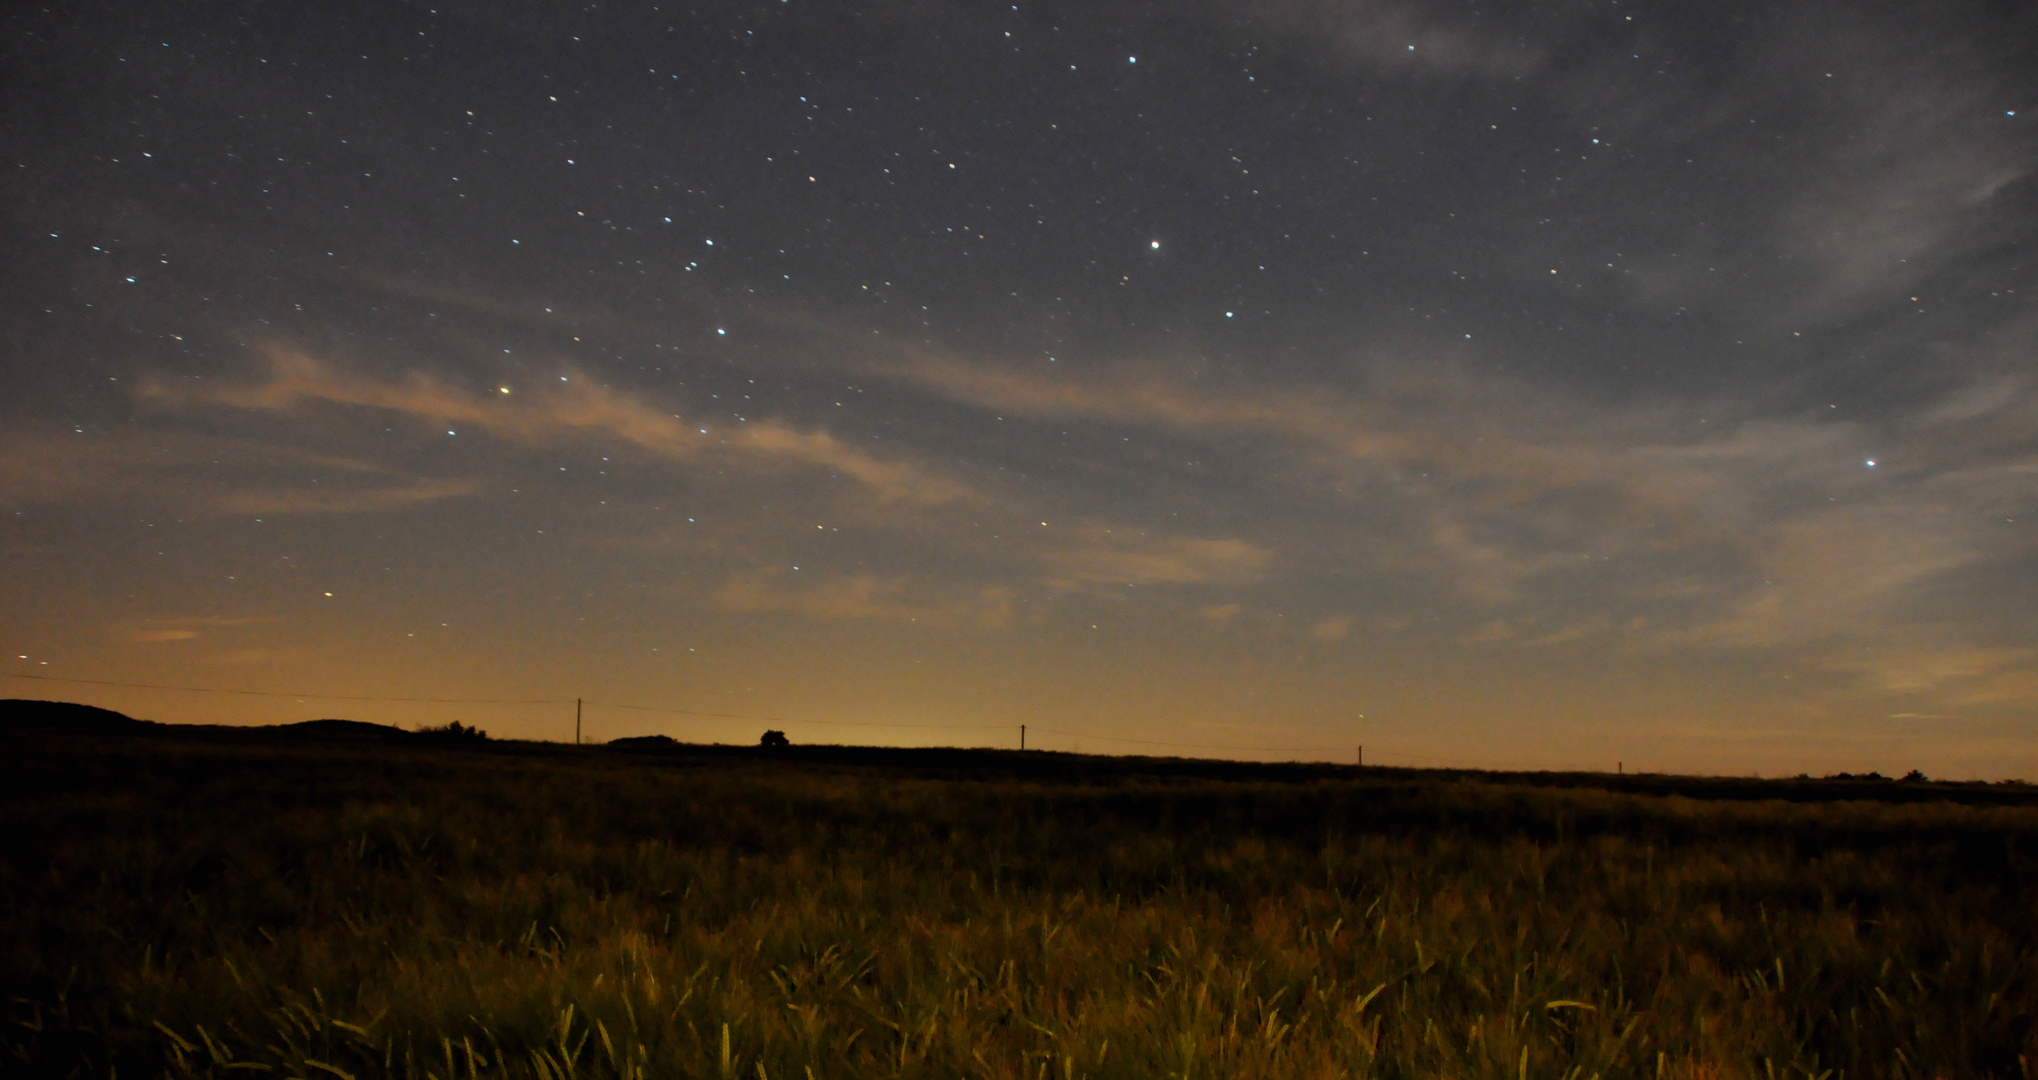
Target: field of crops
[{"x": 238, "y": 905}]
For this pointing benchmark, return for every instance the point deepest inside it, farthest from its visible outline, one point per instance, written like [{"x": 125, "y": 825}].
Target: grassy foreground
[{"x": 238, "y": 907}]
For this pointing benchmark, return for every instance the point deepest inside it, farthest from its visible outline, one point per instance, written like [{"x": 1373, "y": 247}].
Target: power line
[
  {"x": 493, "y": 701},
  {"x": 1201, "y": 746},
  {"x": 283, "y": 694},
  {"x": 1211, "y": 746},
  {"x": 683, "y": 712},
  {"x": 789, "y": 720}
]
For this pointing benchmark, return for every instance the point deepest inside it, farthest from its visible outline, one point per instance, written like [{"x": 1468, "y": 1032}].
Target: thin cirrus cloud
[
  {"x": 55, "y": 464},
  {"x": 342, "y": 501},
  {"x": 1081, "y": 558},
  {"x": 1103, "y": 559},
  {"x": 1332, "y": 628},
  {"x": 1676, "y": 529},
  {"x": 576, "y": 407},
  {"x": 1091, "y": 562},
  {"x": 894, "y": 598},
  {"x": 1975, "y": 675},
  {"x": 1919, "y": 189},
  {"x": 1398, "y": 37},
  {"x": 173, "y": 629},
  {"x": 198, "y": 472},
  {"x": 1831, "y": 165},
  {"x": 1539, "y": 519}
]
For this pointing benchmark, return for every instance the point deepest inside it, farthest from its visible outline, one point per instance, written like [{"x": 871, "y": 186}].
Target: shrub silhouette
[
  {"x": 774, "y": 738},
  {"x": 454, "y": 732}
]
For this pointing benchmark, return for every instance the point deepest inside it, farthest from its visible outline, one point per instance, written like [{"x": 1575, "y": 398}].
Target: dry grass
[{"x": 224, "y": 910}]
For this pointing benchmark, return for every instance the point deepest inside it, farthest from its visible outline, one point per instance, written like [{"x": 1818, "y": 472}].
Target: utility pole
[
  {"x": 576, "y": 721},
  {"x": 1022, "y": 736},
  {"x": 1362, "y": 755}
]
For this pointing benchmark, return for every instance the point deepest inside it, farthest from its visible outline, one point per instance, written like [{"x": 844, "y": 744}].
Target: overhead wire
[
  {"x": 683, "y": 712},
  {"x": 285, "y": 694},
  {"x": 1198, "y": 746},
  {"x": 494, "y": 701},
  {"x": 789, "y": 720}
]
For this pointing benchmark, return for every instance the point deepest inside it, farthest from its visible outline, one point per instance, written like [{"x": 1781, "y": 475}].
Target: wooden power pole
[
  {"x": 576, "y": 721},
  {"x": 1022, "y": 736}
]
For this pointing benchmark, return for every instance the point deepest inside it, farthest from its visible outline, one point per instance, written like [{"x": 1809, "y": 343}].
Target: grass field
[{"x": 236, "y": 904}]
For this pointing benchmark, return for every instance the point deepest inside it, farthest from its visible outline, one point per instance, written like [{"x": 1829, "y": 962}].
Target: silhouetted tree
[
  {"x": 455, "y": 732},
  {"x": 774, "y": 738}
]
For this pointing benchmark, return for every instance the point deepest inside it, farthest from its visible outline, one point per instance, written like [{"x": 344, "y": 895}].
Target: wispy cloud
[
  {"x": 172, "y": 629},
  {"x": 1824, "y": 196},
  {"x": 898, "y": 598},
  {"x": 341, "y": 501},
  {"x": 51, "y": 464},
  {"x": 1221, "y": 614},
  {"x": 576, "y": 407},
  {"x": 1334, "y": 628},
  {"x": 198, "y": 472},
  {"x": 1112, "y": 560},
  {"x": 1390, "y": 36},
  {"x": 1634, "y": 524},
  {"x": 1913, "y": 190},
  {"x": 1960, "y": 675}
]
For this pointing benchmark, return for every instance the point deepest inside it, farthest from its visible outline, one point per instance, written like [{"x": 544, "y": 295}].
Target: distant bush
[
  {"x": 774, "y": 738},
  {"x": 454, "y": 732}
]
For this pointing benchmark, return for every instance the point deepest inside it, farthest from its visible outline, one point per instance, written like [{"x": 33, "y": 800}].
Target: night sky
[{"x": 1545, "y": 385}]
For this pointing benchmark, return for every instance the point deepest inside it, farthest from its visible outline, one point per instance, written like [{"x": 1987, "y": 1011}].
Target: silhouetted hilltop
[
  {"x": 645, "y": 742},
  {"x": 68, "y": 718},
  {"x": 40, "y": 720},
  {"x": 344, "y": 729}
]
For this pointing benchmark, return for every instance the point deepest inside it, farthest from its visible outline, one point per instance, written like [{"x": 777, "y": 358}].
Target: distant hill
[
  {"x": 71, "y": 718},
  {"x": 68, "y": 718},
  {"x": 343, "y": 729},
  {"x": 645, "y": 742}
]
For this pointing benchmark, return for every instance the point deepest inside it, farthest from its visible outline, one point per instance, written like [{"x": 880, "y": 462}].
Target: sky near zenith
[{"x": 1517, "y": 385}]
